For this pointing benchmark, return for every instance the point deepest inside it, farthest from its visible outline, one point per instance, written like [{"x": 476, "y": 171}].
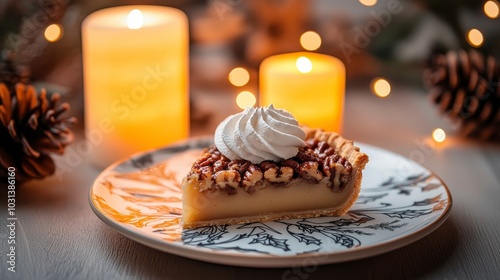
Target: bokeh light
[
  {"x": 438, "y": 135},
  {"x": 304, "y": 65},
  {"x": 368, "y": 3},
  {"x": 491, "y": 9},
  {"x": 135, "y": 19},
  {"x": 381, "y": 87},
  {"x": 310, "y": 40},
  {"x": 239, "y": 76},
  {"x": 53, "y": 32},
  {"x": 475, "y": 37},
  {"x": 245, "y": 99}
]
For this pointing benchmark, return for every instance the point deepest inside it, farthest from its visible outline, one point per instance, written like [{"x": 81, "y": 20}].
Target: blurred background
[{"x": 393, "y": 39}]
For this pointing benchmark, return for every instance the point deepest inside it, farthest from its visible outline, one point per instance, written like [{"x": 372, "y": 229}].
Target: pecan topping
[
  {"x": 205, "y": 178},
  {"x": 267, "y": 165},
  {"x": 227, "y": 178},
  {"x": 309, "y": 170},
  {"x": 306, "y": 155},
  {"x": 323, "y": 150},
  {"x": 206, "y": 172},
  {"x": 344, "y": 179},
  {"x": 329, "y": 165},
  {"x": 285, "y": 174},
  {"x": 276, "y": 174},
  {"x": 205, "y": 160},
  {"x": 252, "y": 176},
  {"x": 315, "y": 161},
  {"x": 293, "y": 164},
  {"x": 220, "y": 165},
  {"x": 342, "y": 161},
  {"x": 311, "y": 143},
  {"x": 239, "y": 165}
]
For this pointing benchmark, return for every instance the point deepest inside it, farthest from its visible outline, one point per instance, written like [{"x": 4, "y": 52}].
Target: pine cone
[
  {"x": 466, "y": 88},
  {"x": 31, "y": 128}
]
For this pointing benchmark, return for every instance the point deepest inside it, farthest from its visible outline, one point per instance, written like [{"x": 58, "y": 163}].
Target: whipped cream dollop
[{"x": 259, "y": 134}]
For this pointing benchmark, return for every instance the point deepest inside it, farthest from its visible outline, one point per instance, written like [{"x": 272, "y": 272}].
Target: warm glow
[
  {"x": 438, "y": 135},
  {"x": 135, "y": 19},
  {"x": 491, "y": 9},
  {"x": 381, "y": 87},
  {"x": 304, "y": 65},
  {"x": 239, "y": 76},
  {"x": 368, "y": 3},
  {"x": 310, "y": 40},
  {"x": 146, "y": 82},
  {"x": 475, "y": 37},
  {"x": 245, "y": 99},
  {"x": 315, "y": 99},
  {"x": 53, "y": 32}
]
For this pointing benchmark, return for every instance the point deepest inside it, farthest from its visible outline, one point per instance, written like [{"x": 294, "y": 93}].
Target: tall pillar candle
[
  {"x": 311, "y": 86},
  {"x": 135, "y": 61}
]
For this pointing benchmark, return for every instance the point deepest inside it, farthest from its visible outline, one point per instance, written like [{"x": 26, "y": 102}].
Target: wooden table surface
[{"x": 59, "y": 237}]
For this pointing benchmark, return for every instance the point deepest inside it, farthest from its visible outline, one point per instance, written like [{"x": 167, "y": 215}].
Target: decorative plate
[{"x": 400, "y": 202}]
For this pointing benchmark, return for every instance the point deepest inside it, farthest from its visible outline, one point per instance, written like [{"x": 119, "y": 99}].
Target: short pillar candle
[{"x": 311, "y": 86}]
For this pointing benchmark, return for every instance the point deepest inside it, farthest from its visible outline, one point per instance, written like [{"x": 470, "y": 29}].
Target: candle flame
[
  {"x": 310, "y": 40},
  {"x": 135, "y": 19},
  {"x": 304, "y": 65},
  {"x": 245, "y": 99},
  {"x": 438, "y": 135}
]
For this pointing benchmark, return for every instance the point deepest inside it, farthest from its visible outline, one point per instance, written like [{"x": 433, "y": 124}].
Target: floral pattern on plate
[{"x": 400, "y": 202}]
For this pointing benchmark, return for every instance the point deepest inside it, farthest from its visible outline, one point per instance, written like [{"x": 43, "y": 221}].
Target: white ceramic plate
[{"x": 400, "y": 202}]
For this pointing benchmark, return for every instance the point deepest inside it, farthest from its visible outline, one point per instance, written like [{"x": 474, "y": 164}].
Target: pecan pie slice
[{"x": 323, "y": 179}]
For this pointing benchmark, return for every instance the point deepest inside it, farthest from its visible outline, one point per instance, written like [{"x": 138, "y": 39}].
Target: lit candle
[
  {"x": 135, "y": 62},
  {"x": 309, "y": 85}
]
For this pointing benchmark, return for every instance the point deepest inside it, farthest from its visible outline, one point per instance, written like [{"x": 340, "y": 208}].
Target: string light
[
  {"x": 304, "y": 65},
  {"x": 135, "y": 19},
  {"x": 53, "y": 32},
  {"x": 239, "y": 76},
  {"x": 381, "y": 87},
  {"x": 245, "y": 99},
  {"x": 475, "y": 37},
  {"x": 310, "y": 40},
  {"x": 368, "y": 3},
  {"x": 491, "y": 9},
  {"x": 438, "y": 135}
]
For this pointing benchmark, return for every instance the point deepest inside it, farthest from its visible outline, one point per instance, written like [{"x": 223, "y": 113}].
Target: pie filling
[{"x": 265, "y": 204}]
